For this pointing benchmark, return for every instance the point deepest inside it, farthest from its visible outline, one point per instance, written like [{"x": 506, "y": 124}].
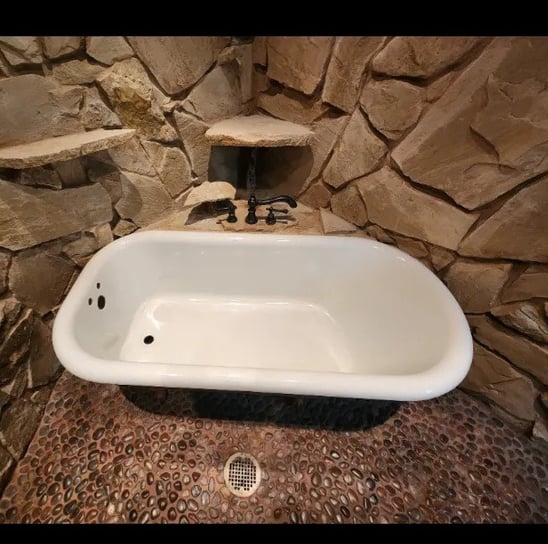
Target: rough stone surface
[
  {"x": 131, "y": 157},
  {"x": 393, "y": 106},
  {"x": 192, "y": 133},
  {"x": 422, "y": 56},
  {"x": 209, "y": 191},
  {"x": 242, "y": 54},
  {"x": 10, "y": 310},
  {"x": 494, "y": 378},
  {"x": 6, "y": 466},
  {"x": 259, "y": 50},
  {"x": 374, "y": 231},
  {"x": 16, "y": 343},
  {"x": 346, "y": 67},
  {"x": 43, "y": 364},
  {"x": 316, "y": 196},
  {"x": 488, "y": 132},
  {"x": 123, "y": 228},
  {"x": 518, "y": 350},
  {"x": 358, "y": 152},
  {"x": 476, "y": 285},
  {"x": 540, "y": 431},
  {"x": 516, "y": 231},
  {"x": 4, "y": 70},
  {"x": 41, "y": 176},
  {"x": 83, "y": 248},
  {"x": 108, "y": 49},
  {"x": 4, "y": 265},
  {"x": 533, "y": 282},
  {"x": 525, "y": 317},
  {"x": 333, "y": 224},
  {"x": 25, "y": 213},
  {"x": 438, "y": 87},
  {"x": 440, "y": 257},
  {"x": 33, "y": 107},
  {"x": 102, "y": 233},
  {"x": 71, "y": 173},
  {"x": 80, "y": 250},
  {"x": 39, "y": 279},
  {"x": 395, "y": 205},
  {"x": 258, "y": 131},
  {"x": 294, "y": 107},
  {"x": 59, "y": 46},
  {"x": 172, "y": 166},
  {"x": 18, "y": 423},
  {"x": 95, "y": 113},
  {"x": 108, "y": 175},
  {"x": 21, "y": 50},
  {"x": 415, "y": 248},
  {"x": 446, "y": 460},
  {"x": 259, "y": 82},
  {"x": 15, "y": 386},
  {"x": 144, "y": 199},
  {"x": 543, "y": 398},
  {"x": 76, "y": 72},
  {"x": 132, "y": 96},
  {"x": 298, "y": 63},
  {"x": 62, "y": 148},
  {"x": 349, "y": 205},
  {"x": 187, "y": 218},
  {"x": 217, "y": 96},
  {"x": 177, "y": 62}
]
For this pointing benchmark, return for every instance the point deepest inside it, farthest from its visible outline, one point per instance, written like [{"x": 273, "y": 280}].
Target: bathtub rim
[{"x": 435, "y": 381}]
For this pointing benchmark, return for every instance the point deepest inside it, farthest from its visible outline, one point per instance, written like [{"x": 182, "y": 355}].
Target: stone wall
[
  {"x": 54, "y": 217},
  {"x": 438, "y": 146}
]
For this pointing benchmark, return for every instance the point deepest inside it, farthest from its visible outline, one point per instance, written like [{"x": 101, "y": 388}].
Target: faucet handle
[{"x": 271, "y": 218}]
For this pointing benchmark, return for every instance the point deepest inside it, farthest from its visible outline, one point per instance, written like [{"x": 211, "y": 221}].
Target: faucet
[{"x": 253, "y": 202}]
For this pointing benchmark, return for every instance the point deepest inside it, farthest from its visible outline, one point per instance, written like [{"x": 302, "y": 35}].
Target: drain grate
[{"x": 242, "y": 474}]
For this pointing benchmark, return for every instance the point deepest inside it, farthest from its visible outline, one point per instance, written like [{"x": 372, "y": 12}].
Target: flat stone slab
[
  {"x": 62, "y": 148},
  {"x": 258, "y": 131},
  {"x": 208, "y": 191}
]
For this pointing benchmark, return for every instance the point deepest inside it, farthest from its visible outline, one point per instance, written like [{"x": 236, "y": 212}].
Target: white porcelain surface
[{"x": 315, "y": 315}]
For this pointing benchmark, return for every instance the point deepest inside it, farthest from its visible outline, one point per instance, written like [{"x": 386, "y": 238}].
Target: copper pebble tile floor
[{"x": 98, "y": 456}]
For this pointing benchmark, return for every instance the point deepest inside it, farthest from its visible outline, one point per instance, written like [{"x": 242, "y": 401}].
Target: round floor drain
[{"x": 242, "y": 474}]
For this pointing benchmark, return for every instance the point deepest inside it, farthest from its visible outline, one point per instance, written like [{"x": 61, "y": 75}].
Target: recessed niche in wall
[
  {"x": 229, "y": 164},
  {"x": 284, "y": 170}
]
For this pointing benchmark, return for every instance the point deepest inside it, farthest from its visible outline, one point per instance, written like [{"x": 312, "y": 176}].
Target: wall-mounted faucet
[{"x": 253, "y": 202}]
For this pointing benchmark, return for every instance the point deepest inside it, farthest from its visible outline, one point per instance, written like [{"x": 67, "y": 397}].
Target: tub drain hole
[
  {"x": 148, "y": 339},
  {"x": 242, "y": 474}
]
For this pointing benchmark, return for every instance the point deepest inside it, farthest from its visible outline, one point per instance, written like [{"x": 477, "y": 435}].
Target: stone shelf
[
  {"x": 62, "y": 148},
  {"x": 258, "y": 131}
]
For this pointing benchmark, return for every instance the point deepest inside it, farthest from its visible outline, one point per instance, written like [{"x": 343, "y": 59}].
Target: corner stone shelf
[
  {"x": 62, "y": 148},
  {"x": 258, "y": 131}
]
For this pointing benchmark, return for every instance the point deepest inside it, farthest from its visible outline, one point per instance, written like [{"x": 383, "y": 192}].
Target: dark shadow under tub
[{"x": 333, "y": 413}]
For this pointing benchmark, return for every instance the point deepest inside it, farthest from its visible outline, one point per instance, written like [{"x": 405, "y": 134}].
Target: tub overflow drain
[{"x": 242, "y": 474}]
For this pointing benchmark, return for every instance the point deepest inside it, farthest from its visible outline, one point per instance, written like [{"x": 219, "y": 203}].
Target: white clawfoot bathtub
[{"x": 271, "y": 313}]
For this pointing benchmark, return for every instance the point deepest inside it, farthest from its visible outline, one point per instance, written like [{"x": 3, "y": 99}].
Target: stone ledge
[
  {"x": 258, "y": 131},
  {"x": 62, "y": 148}
]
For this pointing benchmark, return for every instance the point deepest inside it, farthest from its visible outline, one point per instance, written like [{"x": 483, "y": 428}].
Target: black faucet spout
[{"x": 290, "y": 201}]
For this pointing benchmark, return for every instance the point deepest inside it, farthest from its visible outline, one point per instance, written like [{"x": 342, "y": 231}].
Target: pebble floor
[{"x": 99, "y": 457}]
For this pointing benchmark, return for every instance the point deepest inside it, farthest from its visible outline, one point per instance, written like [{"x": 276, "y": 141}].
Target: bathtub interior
[{"x": 349, "y": 305}]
